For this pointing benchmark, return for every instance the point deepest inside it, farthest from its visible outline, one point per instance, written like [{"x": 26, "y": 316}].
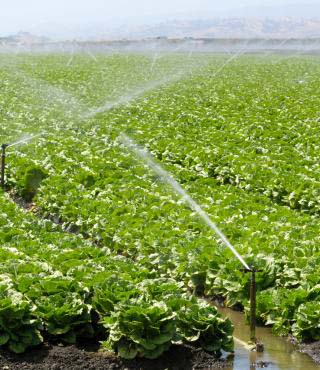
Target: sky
[{"x": 28, "y": 15}]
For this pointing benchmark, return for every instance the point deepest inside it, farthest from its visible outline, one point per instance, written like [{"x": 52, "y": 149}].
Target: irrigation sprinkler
[
  {"x": 167, "y": 178},
  {"x": 253, "y": 306},
  {"x": 3, "y": 163},
  {"x": 3, "y": 156}
]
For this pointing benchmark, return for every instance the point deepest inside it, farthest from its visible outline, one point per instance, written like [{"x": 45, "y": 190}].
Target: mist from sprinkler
[
  {"x": 235, "y": 56},
  {"x": 168, "y": 179},
  {"x": 24, "y": 140},
  {"x": 71, "y": 57},
  {"x": 71, "y": 104},
  {"x": 92, "y": 56},
  {"x": 164, "y": 175},
  {"x": 298, "y": 52},
  {"x": 140, "y": 91},
  {"x": 158, "y": 56}
]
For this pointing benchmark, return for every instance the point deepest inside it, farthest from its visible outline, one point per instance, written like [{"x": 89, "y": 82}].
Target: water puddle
[{"x": 278, "y": 353}]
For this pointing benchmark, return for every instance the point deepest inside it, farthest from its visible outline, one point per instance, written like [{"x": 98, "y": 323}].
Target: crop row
[
  {"x": 243, "y": 143},
  {"x": 56, "y": 285}
]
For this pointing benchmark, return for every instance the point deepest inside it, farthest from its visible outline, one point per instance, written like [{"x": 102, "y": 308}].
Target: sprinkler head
[
  {"x": 247, "y": 270},
  {"x": 4, "y": 146},
  {"x": 252, "y": 269}
]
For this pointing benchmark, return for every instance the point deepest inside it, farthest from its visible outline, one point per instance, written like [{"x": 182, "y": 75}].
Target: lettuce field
[{"x": 95, "y": 245}]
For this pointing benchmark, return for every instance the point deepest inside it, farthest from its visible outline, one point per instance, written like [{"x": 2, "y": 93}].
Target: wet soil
[
  {"x": 55, "y": 357},
  {"x": 312, "y": 349}
]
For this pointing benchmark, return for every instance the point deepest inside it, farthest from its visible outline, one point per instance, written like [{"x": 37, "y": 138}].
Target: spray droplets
[
  {"x": 167, "y": 178},
  {"x": 24, "y": 139}
]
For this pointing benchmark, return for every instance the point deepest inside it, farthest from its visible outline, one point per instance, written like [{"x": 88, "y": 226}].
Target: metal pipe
[
  {"x": 3, "y": 163},
  {"x": 253, "y": 305},
  {"x": 253, "y": 293}
]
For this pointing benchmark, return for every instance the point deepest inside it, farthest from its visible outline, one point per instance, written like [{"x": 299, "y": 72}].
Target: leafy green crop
[
  {"x": 140, "y": 329},
  {"x": 307, "y": 323},
  {"x": 19, "y": 325},
  {"x": 30, "y": 179},
  {"x": 199, "y": 323},
  {"x": 61, "y": 306},
  {"x": 243, "y": 142}
]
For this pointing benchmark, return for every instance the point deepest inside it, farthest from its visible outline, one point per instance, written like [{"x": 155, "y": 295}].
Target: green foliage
[
  {"x": 20, "y": 327},
  {"x": 146, "y": 324},
  {"x": 200, "y": 324},
  {"x": 307, "y": 323},
  {"x": 86, "y": 179},
  {"x": 247, "y": 152},
  {"x": 29, "y": 181},
  {"x": 111, "y": 292},
  {"x": 140, "y": 329}
]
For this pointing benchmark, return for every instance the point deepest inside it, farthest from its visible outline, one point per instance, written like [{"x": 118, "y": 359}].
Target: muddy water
[{"x": 278, "y": 353}]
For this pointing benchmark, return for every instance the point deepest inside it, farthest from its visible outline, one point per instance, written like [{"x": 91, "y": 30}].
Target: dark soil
[
  {"x": 312, "y": 349},
  {"x": 55, "y": 357},
  {"x": 22, "y": 203}
]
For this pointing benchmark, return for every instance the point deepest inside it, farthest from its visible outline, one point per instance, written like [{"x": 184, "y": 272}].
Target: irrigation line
[{"x": 167, "y": 178}]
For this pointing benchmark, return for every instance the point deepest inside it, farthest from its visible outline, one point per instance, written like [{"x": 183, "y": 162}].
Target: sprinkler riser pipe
[
  {"x": 253, "y": 319},
  {"x": 3, "y": 164},
  {"x": 253, "y": 302}
]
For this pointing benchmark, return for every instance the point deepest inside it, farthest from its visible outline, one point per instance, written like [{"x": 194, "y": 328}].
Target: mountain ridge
[
  {"x": 286, "y": 27},
  {"x": 231, "y": 27}
]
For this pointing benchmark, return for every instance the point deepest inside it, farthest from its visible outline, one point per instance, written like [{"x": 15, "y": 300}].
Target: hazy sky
[{"x": 18, "y": 15}]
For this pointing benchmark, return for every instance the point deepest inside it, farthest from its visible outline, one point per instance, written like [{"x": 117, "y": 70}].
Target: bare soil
[{"x": 87, "y": 357}]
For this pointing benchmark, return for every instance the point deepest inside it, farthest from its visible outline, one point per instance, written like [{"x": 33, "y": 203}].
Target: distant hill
[
  {"x": 232, "y": 28},
  {"x": 286, "y": 27},
  {"x": 24, "y": 38}
]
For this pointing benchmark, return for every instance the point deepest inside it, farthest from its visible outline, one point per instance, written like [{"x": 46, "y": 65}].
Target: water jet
[
  {"x": 167, "y": 178},
  {"x": 4, "y": 148}
]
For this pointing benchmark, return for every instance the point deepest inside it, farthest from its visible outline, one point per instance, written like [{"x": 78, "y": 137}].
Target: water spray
[
  {"x": 24, "y": 140},
  {"x": 167, "y": 178},
  {"x": 4, "y": 148},
  {"x": 140, "y": 91}
]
